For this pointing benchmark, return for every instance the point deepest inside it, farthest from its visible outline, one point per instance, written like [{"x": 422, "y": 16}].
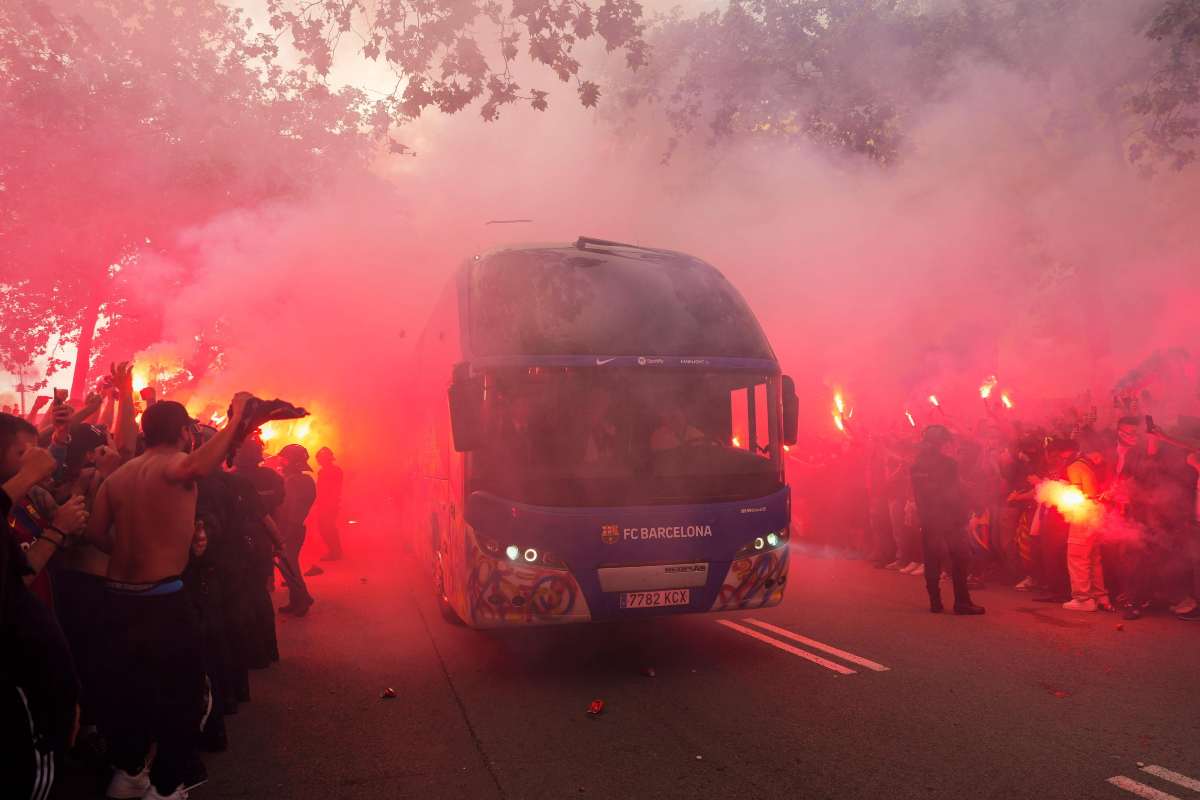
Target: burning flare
[
  {"x": 933, "y": 401},
  {"x": 985, "y": 390},
  {"x": 1075, "y": 506},
  {"x": 909, "y": 415},
  {"x": 156, "y": 367},
  {"x": 839, "y": 403},
  {"x": 302, "y": 431},
  {"x": 1004, "y": 398},
  {"x": 837, "y": 421}
]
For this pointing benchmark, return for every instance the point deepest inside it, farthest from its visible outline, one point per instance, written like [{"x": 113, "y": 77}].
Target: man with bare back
[{"x": 144, "y": 516}]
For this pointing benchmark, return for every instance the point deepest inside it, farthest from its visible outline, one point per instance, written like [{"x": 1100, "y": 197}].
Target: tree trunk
[{"x": 83, "y": 355}]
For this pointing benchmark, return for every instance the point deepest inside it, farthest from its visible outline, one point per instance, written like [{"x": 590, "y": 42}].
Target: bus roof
[{"x": 596, "y": 297}]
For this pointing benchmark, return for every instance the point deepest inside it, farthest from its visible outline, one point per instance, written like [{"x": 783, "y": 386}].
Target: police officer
[{"x": 942, "y": 510}]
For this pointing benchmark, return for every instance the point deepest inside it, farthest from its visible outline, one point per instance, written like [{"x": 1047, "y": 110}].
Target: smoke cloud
[{"x": 1011, "y": 238}]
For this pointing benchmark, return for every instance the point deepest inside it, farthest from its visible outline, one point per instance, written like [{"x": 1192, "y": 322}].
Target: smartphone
[{"x": 60, "y": 396}]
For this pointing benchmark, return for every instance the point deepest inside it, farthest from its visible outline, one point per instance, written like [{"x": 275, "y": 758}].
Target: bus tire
[{"x": 447, "y": 610}]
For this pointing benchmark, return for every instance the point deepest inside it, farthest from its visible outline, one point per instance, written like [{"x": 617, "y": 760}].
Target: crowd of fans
[
  {"x": 1087, "y": 516},
  {"x": 136, "y": 569}
]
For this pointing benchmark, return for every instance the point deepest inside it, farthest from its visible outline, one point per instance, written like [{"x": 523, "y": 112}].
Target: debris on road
[
  {"x": 596, "y": 708},
  {"x": 1059, "y": 693},
  {"x": 388, "y": 694}
]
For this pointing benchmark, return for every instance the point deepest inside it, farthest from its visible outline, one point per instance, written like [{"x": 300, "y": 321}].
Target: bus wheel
[{"x": 448, "y": 612}]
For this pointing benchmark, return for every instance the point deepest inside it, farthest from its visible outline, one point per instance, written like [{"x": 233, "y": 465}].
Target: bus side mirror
[
  {"x": 466, "y": 413},
  {"x": 791, "y": 411}
]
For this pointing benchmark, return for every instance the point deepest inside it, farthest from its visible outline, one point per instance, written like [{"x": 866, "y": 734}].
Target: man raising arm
[{"x": 145, "y": 515}]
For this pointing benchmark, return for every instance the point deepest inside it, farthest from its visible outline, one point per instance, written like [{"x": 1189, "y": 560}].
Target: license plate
[{"x": 666, "y": 597}]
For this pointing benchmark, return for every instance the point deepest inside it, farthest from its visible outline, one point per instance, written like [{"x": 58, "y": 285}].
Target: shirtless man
[{"x": 144, "y": 516}]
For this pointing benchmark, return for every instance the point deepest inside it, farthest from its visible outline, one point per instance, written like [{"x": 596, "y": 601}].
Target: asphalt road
[{"x": 1029, "y": 701}]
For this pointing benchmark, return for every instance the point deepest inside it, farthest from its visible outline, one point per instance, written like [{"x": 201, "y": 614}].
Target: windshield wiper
[{"x": 605, "y": 245}]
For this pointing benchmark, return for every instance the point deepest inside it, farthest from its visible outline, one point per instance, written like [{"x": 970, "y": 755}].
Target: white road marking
[
  {"x": 787, "y": 648},
  {"x": 1140, "y": 789},
  {"x": 1173, "y": 777},
  {"x": 813, "y": 643}
]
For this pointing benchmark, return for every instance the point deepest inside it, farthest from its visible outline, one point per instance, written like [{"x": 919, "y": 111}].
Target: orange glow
[
  {"x": 911, "y": 421},
  {"x": 985, "y": 391},
  {"x": 156, "y": 371},
  {"x": 1070, "y": 501},
  {"x": 299, "y": 431},
  {"x": 838, "y": 402},
  {"x": 933, "y": 401},
  {"x": 218, "y": 419},
  {"x": 737, "y": 442},
  {"x": 787, "y": 448},
  {"x": 1004, "y": 398},
  {"x": 837, "y": 421}
]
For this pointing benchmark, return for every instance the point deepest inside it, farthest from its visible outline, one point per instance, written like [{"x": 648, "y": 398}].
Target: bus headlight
[
  {"x": 520, "y": 554},
  {"x": 533, "y": 557},
  {"x": 762, "y": 544}
]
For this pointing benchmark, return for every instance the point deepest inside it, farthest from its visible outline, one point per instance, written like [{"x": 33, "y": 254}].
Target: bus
[{"x": 599, "y": 432}]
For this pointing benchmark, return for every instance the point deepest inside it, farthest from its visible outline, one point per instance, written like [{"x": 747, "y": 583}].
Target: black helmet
[
  {"x": 936, "y": 435},
  {"x": 296, "y": 455}
]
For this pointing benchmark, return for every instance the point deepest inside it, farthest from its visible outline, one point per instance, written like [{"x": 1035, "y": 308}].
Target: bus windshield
[
  {"x": 592, "y": 437},
  {"x": 555, "y": 302}
]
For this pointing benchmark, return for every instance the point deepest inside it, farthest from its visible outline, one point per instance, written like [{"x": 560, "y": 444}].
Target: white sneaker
[
  {"x": 179, "y": 794},
  {"x": 1185, "y": 606},
  {"x": 920, "y": 570},
  {"x": 1086, "y": 604},
  {"x": 907, "y": 570},
  {"x": 894, "y": 565},
  {"x": 124, "y": 786},
  {"x": 1025, "y": 585}
]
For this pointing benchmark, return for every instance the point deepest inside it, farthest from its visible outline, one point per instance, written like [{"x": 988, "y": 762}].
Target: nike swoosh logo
[{"x": 600, "y": 362}]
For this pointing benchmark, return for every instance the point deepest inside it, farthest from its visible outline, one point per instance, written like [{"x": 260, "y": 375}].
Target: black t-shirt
[
  {"x": 248, "y": 507},
  {"x": 941, "y": 502},
  {"x": 13, "y": 565},
  {"x": 33, "y": 651},
  {"x": 268, "y": 484}
]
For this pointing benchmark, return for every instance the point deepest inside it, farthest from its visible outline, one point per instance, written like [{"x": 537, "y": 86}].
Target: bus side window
[
  {"x": 762, "y": 427},
  {"x": 739, "y": 406},
  {"x": 750, "y": 430}
]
